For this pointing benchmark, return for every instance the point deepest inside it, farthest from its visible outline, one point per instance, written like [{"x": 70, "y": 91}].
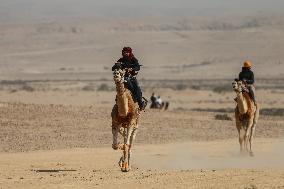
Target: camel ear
[{"x": 236, "y": 79}]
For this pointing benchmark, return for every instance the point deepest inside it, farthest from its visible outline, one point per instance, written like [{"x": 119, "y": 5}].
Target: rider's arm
[
  {"x": 240, "y": 76},
  {"x": 250, "y": 80},
  {"x": 117, "y": 65},
  {"x": 135, "y": 65}
]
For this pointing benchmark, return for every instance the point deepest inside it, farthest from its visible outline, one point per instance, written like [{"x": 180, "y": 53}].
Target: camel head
[
  {"x": 118, "y": 75},
  {"x": 238, "y": 86}
]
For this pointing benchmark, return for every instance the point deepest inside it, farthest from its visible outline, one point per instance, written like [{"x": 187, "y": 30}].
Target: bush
[
  {"x": 180, "y": 87},
  {"x": 28, "y": 88},
  {"x": 222, "y": 89},
  {"x": 272, "y": 111},
  {"x": 223, "y": 117},
  {"x": 103, "y": 87},
  {"x": 88, "y": 88}
]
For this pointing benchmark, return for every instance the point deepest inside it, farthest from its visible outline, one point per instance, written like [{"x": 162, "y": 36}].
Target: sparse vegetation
[
  {"x": 89, "y": 88},
  {"x": 223, "y": 117},
  {"x": 28, "y": 88},
  {"x": 222, "y": 89},
  {"x": 264, "y": 111},
  {"x": 103, "y": 87},
  {"x": 272, "y": 111},
  {"x": 180, "y": 87}
]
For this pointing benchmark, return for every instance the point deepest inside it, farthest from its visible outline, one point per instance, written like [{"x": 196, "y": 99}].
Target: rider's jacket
[
  {"x": 123, "y": 63},
  {"x": 247, "y": 75}
]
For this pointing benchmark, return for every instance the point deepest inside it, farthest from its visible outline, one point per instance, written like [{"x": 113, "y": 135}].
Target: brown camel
[
  {"x": 246, "y": 114},
  {"x": 125, "y": 116}
]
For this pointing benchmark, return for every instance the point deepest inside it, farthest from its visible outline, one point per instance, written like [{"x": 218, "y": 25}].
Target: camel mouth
[
  {"x": 234, "y": 85},
  {"x": 116, "y": 74}
]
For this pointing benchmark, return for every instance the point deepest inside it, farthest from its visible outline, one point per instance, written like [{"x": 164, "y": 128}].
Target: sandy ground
[
  {"x": 63, "y": 139},
  {"x": 178, "y": 165}
]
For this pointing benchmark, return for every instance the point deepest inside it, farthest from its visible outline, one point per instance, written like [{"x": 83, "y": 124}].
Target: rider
[
  {"x": 159, "y": 101},
  {"x": 247, "y": 76},
  {"x": 153, "y": 99},
  {"x": 131, "y": 66}
]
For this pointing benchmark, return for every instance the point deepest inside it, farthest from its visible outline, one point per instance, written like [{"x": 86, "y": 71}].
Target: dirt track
[{"x": 97, "y": 168}]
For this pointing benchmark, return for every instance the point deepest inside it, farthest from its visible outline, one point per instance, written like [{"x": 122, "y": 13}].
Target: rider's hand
[{"x": 128, "y": 69}]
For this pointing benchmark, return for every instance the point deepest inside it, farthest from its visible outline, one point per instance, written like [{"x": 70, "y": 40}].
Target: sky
[{"x": 47, "y": 9}]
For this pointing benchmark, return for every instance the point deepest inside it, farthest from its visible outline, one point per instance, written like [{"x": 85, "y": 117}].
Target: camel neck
[
  {"x": 242, "y": 104},
  {"x": 121, "y": 99},
  {"x": 120, "y": 88}
]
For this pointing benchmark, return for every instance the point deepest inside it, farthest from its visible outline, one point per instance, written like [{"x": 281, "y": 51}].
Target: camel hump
[{"x": 250, "y": 103}]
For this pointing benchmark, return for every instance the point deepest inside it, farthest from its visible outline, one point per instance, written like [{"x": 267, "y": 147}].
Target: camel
[
  {"x": 125, "y": 116},
  {"x": 246, "y": 114}
]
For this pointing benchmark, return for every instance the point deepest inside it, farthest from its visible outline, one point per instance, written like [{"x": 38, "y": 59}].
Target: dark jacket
[
  {"x": 247, "y": 75},
  {"x": 123, "y": 63}
]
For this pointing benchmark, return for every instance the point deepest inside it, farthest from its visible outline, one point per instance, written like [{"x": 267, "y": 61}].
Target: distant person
[
  {"x": 159, "y": 101},
  {"x": 153, "y": 99},
  {"x": 247, "y": 76},
  {"x": 130, "y": 64}
]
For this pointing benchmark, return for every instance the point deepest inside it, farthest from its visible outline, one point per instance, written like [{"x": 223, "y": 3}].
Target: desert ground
[{"x": 57, "y": 92}]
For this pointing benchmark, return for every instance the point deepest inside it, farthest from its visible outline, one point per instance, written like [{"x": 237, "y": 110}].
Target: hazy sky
[{"x": 40, "y": 9}]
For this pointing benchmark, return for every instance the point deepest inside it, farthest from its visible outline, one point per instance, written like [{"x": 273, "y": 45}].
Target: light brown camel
[
  {"x": 125, "y": 116},
  {"x": 246, "y": 114}
]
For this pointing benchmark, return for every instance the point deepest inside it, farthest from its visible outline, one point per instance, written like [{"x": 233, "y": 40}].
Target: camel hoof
[
  {"x": 120, "y": 163},
  {"x": 125, "y": 167},
  {"x": 251, "y": 154},
  {"x": 115, "y": 146}
]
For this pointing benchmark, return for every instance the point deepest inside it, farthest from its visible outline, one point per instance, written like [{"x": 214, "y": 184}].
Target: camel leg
[
  {"x": 248, "y": 133},
  {"x": 250, "y": 138},
  {"x": 256, "y": 115},
  {"x": 242, "y": 140},
  {"x": 129, "y": 139},
  {"x": 115, "y": 131},
  {"x": 240, "y": 132},
  {"x": 126, "y": 150},
  {"x": 131, "y": 135}
]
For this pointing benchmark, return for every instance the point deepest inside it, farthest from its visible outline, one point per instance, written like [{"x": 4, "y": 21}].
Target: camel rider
[
  {"x": 131, "y": 66},
  {"x": 159, "y": 101},
  {"x": 247, "y": 76},
  {"x": 153, "y": 99}
]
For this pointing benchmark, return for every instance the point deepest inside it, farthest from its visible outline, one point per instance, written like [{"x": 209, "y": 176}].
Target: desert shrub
[
  {"x": 272, "y": 111},
  {"x": 13, "y": 90},
  {"x": 219, "y": 110},
  {"x": 27, "y": 88},
  {"x": 89, "y": 88},
  {"x": 222, "y": 89},
  {"x": 195, "y": 87},
  {"x": 13, "y": 82},
  {"x": 103, "y": 87},
  {"x": 223, "y": 117},
  {"x": 180, "y": 87}
]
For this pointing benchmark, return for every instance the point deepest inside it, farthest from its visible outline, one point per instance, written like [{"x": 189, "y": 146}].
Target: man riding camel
[
  {"x": 247, "y": 76},
  {"x": 130, "y": 64}
]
